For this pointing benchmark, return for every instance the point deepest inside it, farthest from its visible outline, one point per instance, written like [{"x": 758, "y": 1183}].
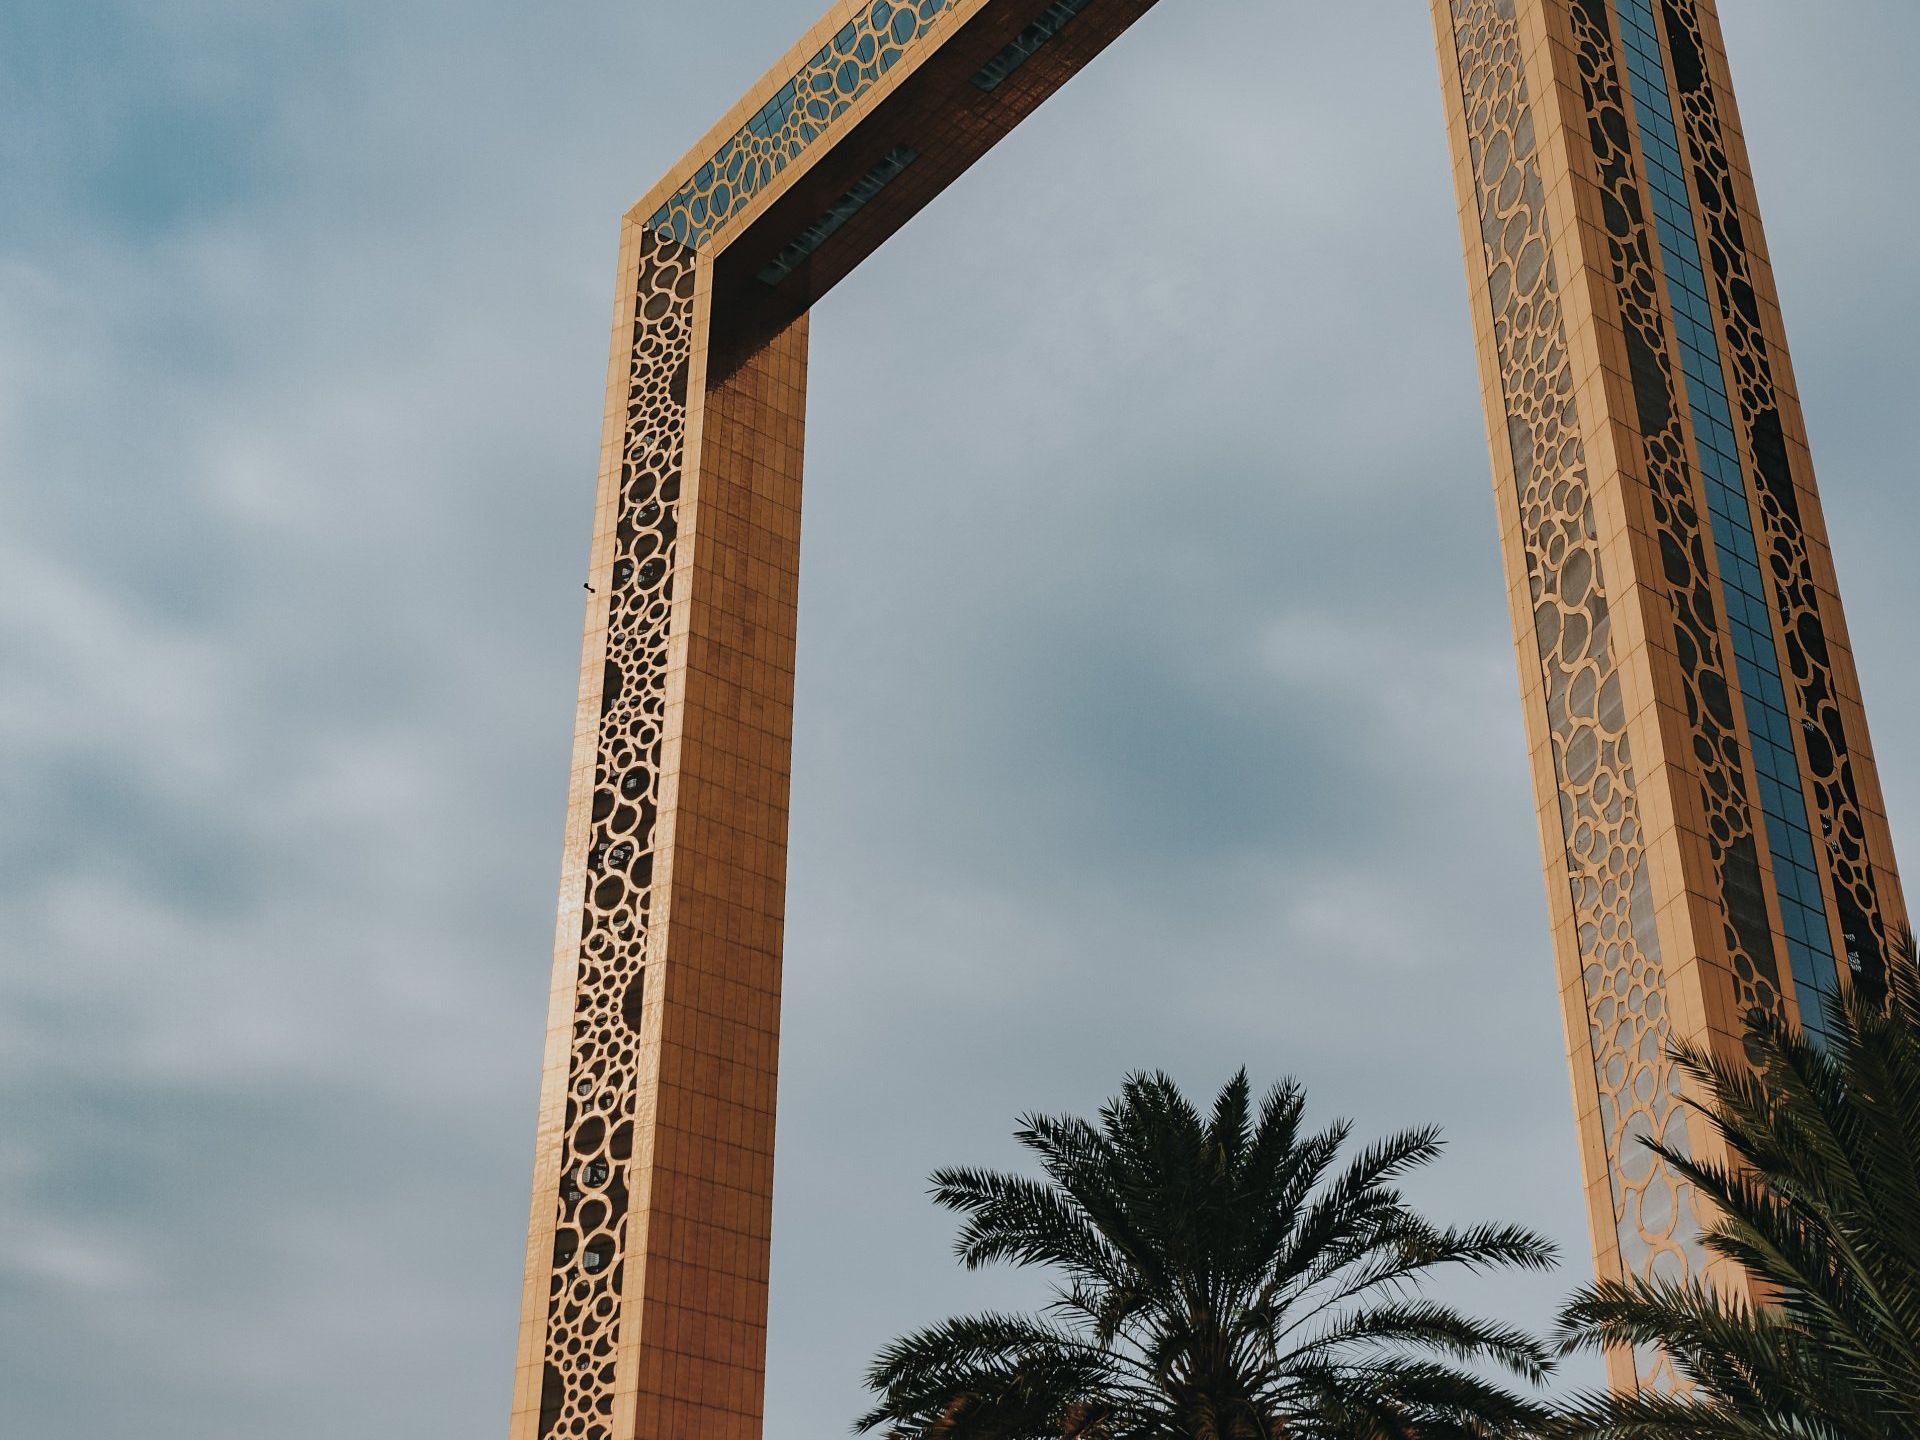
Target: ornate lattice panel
[
  {"x": 604, "y": 1083},
  {"x": 1607, "y": 867},
  {"x": 1826, "y": 751},
  {"x": 1676, "y": 510},
  {"x": 655, "y": 1167},
  {"x": 846, "y": 67},
  {"x": 1805, "y": 931}
]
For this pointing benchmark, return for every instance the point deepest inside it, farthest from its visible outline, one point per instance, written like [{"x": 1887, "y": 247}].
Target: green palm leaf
[
  {"x": 1818, "y": 1202},
  {"x": 1219, "y": 1275}
]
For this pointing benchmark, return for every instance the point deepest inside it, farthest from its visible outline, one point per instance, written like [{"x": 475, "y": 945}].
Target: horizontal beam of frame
[{"x": 950, "y": 97}]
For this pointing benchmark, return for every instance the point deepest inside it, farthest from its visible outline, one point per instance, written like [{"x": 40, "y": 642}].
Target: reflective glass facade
[
  {"x": 1022, "y": 47},
  {"x": 1789, "y": 838}
]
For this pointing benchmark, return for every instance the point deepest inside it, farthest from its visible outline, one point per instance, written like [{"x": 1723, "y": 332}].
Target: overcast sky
[{"x": 1156, "y": 704}]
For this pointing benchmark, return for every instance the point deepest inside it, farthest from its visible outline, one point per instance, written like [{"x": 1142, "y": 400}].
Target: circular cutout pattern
[
  {"x": 1828, "y": 757},
  {"x": 1623, "y": 978},
  {"x": 583, "y": 1309},
  {"x": 846, "y": 67}
]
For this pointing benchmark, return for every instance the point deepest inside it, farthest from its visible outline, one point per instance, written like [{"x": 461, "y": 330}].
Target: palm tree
[
  {"x": 1216, "y": 1279},
  {"x": 1821, "y": 1206}
]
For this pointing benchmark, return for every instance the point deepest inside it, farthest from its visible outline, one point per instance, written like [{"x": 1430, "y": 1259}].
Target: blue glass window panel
[{"x": 1788, "y": 837}]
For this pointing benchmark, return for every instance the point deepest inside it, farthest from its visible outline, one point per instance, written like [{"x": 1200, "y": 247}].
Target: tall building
[{"x": 1710, "y": 816}]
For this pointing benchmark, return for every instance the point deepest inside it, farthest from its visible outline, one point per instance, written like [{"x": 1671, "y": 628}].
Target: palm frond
[
  {"x": 1424, "y": 1325},
  {"x": 1818, "y": 1201},
  {"x": 1191, "y": 1252}
]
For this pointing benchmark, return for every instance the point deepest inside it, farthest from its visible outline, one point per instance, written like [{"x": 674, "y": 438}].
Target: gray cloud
[{"x": 1155, "y": 703}]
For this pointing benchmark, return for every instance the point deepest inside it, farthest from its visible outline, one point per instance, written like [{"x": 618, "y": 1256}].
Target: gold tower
[{"x": 1709, "y": 811}]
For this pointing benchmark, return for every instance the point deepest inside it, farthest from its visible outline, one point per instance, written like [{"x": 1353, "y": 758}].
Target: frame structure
[{"x": 1710, "y": 814}]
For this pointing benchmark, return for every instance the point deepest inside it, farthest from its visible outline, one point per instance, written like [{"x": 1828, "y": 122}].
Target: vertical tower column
[
  {"x": 1709, "y": 816},
  {"x": 1822, "y": 688},
  {"x": 644, "y": 1308}
]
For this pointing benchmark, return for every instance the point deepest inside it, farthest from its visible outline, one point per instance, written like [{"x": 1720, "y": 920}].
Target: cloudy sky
[{"x": 1155, "y": 707}]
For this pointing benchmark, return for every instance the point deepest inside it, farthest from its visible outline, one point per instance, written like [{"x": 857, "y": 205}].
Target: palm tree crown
[
  {"x": 1216, "y": 1279},
  {"x": 1820, "y": 1204}
]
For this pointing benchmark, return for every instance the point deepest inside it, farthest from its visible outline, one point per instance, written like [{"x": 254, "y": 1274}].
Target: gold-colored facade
[{"x": 1710, "y": 816}]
